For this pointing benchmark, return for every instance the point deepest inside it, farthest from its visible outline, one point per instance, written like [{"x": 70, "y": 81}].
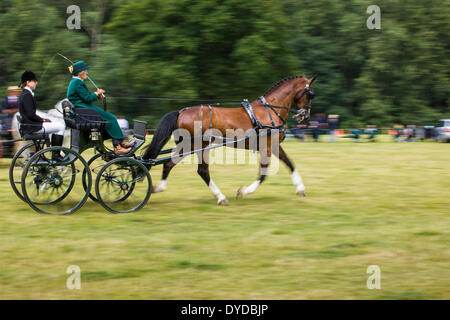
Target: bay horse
[{"x": 271, "y": 110}]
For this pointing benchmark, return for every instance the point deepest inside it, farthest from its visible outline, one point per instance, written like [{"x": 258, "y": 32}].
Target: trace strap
[{"x": 210, "y": 122}]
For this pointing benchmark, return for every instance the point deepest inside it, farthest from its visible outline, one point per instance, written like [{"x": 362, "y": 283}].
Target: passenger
[
  {"x": 79, "y": 95},
  {"x": 31, "y": 122}
]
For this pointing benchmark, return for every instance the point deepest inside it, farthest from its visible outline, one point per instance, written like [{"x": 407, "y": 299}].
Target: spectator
[
  {"x": 371, "y": 131},
  {"x": 319, "y": 123},
  {"x": 399, "y": 129},
  {"x": 10, "y": 105},
  {"x": 315, "y": 129},
  {"x": 333, "y": 124},
  {"x": 299, "y": 131},
  {"x": 410, "y": 133},
  {"x": 355, "y": 134}
]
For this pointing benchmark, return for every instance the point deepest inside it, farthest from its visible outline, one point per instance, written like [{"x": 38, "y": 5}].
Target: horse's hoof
[
  {"x": 223, "y": 202},
  {"x": 240, "y": 192},
  {"x": 156, "y": 189},
  {"x": 301, "y": 193}
]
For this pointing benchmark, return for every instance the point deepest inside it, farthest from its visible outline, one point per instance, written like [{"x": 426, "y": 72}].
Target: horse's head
[{"x": 303, "y": 99}]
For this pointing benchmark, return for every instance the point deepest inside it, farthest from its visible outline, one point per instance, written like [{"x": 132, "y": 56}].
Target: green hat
[{"x": 78, "y": 67}]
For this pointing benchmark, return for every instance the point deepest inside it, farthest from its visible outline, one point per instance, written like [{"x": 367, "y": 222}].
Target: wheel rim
[
  {"x": 18, "y": 163},
  {"x": 52, "y": 187},
  {"x": 95, "y": 164},
  {"x": 123, "y": 185}
]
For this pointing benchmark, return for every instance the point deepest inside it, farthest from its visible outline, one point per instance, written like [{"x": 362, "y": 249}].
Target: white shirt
[
  {"x": 123, "y": 124},
  {"x": 32, "y": 93}
]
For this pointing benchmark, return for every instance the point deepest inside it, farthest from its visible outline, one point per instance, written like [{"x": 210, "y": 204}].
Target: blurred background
[
  {"x": 233, "y": 49},
  {"x": 382, "y": 204}
]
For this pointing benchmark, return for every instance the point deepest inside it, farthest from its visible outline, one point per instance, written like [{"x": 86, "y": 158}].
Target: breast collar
[{"x": 255, "y": 121}]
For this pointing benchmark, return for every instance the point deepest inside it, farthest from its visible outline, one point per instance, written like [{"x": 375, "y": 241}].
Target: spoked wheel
[
  {"x": 123, "y": 185},
  {"x": 95, "y": 164},
  {"x": 18, "y": 163},
  {"x": 51, "y": 186}
]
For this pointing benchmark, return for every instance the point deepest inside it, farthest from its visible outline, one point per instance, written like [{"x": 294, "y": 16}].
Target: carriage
[
  {"x": 62, "y": 185},
  {"x": 58, "y": 180}
]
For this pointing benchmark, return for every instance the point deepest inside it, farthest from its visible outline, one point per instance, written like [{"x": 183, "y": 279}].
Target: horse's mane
[{"x": 276, "y": 85}]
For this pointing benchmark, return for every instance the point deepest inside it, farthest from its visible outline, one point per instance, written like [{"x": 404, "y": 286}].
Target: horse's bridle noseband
[{"x": 301, "y": 112}]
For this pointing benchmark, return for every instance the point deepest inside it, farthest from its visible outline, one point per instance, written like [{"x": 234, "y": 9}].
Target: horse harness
[
  {"x": 210, "y": 120},
  {"x": 255, "y": 121},
  {"x": 257, "y": 124}
]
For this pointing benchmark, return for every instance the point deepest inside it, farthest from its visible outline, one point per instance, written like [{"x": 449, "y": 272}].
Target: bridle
[{"x": 299, "y": 113}]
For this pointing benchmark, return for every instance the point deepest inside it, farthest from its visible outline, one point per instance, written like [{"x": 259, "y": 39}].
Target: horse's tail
[{"x": 166, "y": 126}]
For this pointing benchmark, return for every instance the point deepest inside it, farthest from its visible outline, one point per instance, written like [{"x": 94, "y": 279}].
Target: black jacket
[{"x": 31, "y": 122}]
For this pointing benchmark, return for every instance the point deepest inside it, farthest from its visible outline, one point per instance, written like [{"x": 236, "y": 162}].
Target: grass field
[{"x": 385, "y": 204}]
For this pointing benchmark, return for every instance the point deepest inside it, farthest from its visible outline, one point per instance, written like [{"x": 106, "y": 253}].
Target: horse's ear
[{"x": 312, "y": 80}]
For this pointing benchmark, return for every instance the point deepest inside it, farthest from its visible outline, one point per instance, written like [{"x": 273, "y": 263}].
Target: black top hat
[{"x": 28, "y": 76}]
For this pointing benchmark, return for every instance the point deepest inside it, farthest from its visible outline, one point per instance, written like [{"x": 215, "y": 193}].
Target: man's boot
[{"x": 57, "y": 141}]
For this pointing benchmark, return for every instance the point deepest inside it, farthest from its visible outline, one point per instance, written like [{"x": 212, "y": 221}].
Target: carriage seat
[
  {"x": 32, "y": 135},
  {"x": 82, "y": 119},
  {"x": 35, "y": 136}
]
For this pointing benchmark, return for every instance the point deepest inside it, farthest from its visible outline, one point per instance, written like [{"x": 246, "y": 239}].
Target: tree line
[{"x": 234, "y": 49}]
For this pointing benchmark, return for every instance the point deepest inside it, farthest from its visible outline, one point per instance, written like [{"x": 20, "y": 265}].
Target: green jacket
[{"x": 79, "y": 95}]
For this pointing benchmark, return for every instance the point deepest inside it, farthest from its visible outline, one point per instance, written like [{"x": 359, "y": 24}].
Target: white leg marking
[
  {"x": 297, "y": 181},
  {"x": 216, "y": 191},
  {"x": 251, "y": 188},
  {"x": 161, "y": 186}
]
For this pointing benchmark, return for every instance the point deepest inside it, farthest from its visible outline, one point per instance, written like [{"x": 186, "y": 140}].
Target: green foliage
[
  {"x": 232, "y": 49},
  {"x": 209, "y": 49},
  {"x": 398, "y": 74},
  {"x": 32, "y": 34}
]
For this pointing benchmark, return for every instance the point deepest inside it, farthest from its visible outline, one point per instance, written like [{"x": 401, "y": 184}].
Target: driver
[{"x": 79, "y": 95}]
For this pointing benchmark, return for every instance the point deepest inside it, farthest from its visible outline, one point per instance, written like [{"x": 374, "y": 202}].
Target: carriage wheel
[
  {"x": 18, "y": 163},
  {"x": 51, "y": 186},
  {"x": 95, "y": 164},
  {"x": 123, "y": 185}
]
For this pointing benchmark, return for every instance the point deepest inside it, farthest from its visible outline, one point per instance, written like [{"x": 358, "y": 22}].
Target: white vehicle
[{"x": 442, "y": 131}]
